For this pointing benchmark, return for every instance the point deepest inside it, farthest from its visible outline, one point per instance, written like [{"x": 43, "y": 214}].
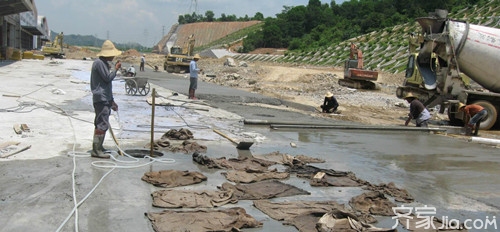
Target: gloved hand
[{"x": 114, "y": 106}]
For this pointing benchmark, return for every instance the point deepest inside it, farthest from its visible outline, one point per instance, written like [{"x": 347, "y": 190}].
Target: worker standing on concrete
[
  {"x": 102, "y": 94},
  {"x": 417, "y": 111},
  {"x": 330, "y": 104},
  {"x": 143, "y": 61},
  {"x": 193, "y": 73},
  {"x": 474, "y": 113}
]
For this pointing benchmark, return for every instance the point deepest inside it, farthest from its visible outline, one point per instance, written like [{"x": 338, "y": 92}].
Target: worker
[
  {"x": 417, "y": 111},
  {"x": 474, "y": 113},
  {"x": 143, "y": 61},
  {"x": 131, "y": 71},
  {"x": 102, "y": 95},
  {"x": 330, "y": 103},
  {"x": 193, "y": 73}
]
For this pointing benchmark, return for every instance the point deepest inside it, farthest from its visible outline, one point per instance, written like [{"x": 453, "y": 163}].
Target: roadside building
[{"x": 21, "y": 29}]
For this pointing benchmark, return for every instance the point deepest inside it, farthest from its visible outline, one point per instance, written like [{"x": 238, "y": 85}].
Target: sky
[{"x": 144, "y": 21}]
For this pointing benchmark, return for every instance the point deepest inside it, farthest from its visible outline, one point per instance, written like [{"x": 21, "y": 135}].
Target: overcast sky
[{"x": 144, "y": 21}]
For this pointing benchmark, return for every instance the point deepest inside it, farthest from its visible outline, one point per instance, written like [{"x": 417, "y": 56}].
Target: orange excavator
[{"x": 355, "y": 76}]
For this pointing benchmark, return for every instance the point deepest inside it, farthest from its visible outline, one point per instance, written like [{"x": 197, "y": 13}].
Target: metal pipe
[{"x": 485, "y": 140}]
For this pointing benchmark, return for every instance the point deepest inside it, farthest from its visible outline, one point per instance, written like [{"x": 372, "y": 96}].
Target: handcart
[{"x": 137, "y": 85}]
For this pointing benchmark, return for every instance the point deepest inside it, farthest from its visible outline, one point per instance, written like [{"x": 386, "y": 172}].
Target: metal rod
[
  {"x": 153, "y": 94},
  {"x": 353, "y": 127}
]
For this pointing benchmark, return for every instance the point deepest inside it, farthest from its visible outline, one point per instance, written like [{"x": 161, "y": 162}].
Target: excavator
[
  {"x": 54, "y": 48},
  {"x": 179, "y": 58},
  {"x": 355, "y": 76}
]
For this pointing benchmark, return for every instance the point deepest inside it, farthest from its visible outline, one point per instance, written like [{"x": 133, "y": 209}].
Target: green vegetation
[
  {"x": 317, "y": 24},
  {"x": 210, "y": 17}
]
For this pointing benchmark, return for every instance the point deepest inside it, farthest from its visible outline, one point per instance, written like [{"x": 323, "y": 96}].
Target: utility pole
[{"x": 195, "y": 7}]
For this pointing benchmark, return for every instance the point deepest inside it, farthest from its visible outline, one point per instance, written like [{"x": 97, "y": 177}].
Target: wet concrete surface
[{"x": 456, "y": 177}]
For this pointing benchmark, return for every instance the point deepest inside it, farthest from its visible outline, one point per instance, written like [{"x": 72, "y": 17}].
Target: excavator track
[{"x": 359, "y": 84}]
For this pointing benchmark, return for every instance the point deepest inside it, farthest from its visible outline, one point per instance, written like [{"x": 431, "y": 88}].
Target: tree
[
  {"x": 209, "y": 16},
  {"x": 258, "y": 16}
]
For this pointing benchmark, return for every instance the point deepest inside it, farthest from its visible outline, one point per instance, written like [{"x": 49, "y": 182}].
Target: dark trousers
[{"x": 102, "y": 112}]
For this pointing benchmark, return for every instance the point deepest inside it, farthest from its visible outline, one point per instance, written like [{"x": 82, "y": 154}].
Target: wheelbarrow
[{"x": 137, "y": 85}]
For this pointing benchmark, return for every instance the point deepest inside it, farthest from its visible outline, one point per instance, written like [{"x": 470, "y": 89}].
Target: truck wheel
[{"x": 491, "y": 119}]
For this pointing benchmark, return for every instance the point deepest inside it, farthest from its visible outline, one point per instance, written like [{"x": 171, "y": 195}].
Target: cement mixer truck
[{"x": 450, "y": 53}]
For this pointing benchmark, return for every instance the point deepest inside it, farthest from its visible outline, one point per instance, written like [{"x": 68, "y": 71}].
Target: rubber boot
[{"x": 97, "y": 148}]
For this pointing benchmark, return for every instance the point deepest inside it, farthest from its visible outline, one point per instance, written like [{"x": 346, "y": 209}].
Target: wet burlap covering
[
  {"x": 166, "y": 143},
  {"x": 254, "y": 176},
  {"x": 287, "y": 211},
  {"x": 330, "y": 177},
  {"x": 232, "y": 219},
  {"x": 400, "y": 195},
  {"x": 437, "y": 224},
  {"x": 173, "y": 178},
  {"x": 182, "y": 134},
  {"x": 289, "y": 160},
  {"x": 262, "y": 190},
  {"x": 374, "y": 203},
  {"x": 305, "y": 215},
  {"x": 251, "y": 164},
  {"x": 342, "y": 220},
  {"x": 170, "y": 198}
]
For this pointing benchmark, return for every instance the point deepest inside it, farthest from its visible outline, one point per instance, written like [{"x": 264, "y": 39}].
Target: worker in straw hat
[
  {"x": 193, "y": 74},
  {"x": 474, "y": 114},
  {"x": 330, "y": 103},
  {"x": 143, "y": 61},
  {"x": 102, "y": 94},
  {"x": 417, "y": 111}
]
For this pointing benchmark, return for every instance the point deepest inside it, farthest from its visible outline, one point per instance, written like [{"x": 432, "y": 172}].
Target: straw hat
[
  {"x": 461, "y": 105},
  {"x": 108, "y": 50},
  {"x": 196, "y": 56},
  {"x": 329, "y": 94},
  {"x": 409, "y": 95}
]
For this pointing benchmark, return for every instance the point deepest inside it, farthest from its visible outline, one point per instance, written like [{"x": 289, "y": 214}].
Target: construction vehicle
[
  {"x": 450, "y": 53},
  {"x": 355, "y": 76},
  {"x": 54, "y": 48},
  {"x": 179, "y": 58}
]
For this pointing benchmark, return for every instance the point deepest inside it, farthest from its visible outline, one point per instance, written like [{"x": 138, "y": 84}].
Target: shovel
[{"x": 239, "y": 145}]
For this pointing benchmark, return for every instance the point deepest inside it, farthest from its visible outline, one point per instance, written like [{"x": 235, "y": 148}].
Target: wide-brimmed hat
[
  {"x": 329, "y": 94},
  {"x": 108, "y": 50},
  {"x": 409, "y": 95},
  {"x": 196, "y": 56},
  {"x": 461, "y": 105}
]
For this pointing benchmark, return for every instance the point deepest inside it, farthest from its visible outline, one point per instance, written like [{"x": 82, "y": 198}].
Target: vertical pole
[{"x": 153, "y": 95}]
